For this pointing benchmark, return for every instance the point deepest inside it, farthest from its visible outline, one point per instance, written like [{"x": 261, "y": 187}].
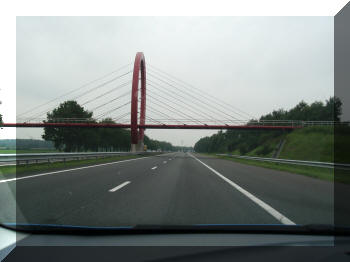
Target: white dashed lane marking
[{"x": 119, "y": 187}]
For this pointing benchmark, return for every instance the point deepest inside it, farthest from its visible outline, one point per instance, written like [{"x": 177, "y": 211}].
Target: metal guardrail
[
  {"x": 293, "y": 162},
  {"x": 299, "y": 123},
  {"x": 13, "y": 159}
]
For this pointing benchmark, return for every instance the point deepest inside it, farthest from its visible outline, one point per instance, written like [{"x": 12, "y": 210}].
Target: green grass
[
  {"x": 35, "y": 168},
  {"x": 310, "y": 144},
  {"x": 314, "y": 143},
  {"x": 235, "y": 152},
  {"x": 7, "y": 151},
  {"x": 23, "y": 151},
  {"x": 315, "y": 172},
  {"x": 272, "y": 143}
]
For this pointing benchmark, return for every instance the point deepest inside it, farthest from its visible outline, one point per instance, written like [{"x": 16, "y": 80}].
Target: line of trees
[
  {"x": 231, "y": 140},
  {"x": 73, "y": 139},
  {"x": 247, "y": 140},
  {"x": 156, "y": 145},
  {"x": 331, "y": 110}
]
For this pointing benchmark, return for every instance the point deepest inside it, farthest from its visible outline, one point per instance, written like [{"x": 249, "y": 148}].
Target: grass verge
[
  {"x": 315, "y": 172},
  {"x": 35, "y": 168},
  {"x": 314, "y": 143},
  {"x": 24, "y": 151}
]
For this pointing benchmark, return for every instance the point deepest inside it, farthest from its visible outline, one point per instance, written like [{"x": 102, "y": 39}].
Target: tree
[
  {"x": 333, "y": 108},
  {"x": 113, "y": 139},
  {"x": 0, "y": 118},
  {"x": 68, "y": 138},
  {"x": 157, "y": 145},
  {"x": 72, "y": 139},
  {"x": 246, "y": 141},
  {"x": 317, "y": 111},
  {"x": 243, "y": 149}
]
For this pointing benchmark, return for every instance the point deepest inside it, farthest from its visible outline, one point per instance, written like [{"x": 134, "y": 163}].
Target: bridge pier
[
  {"x": 139, "y": 147},
  {"x": 133, "y": 148}
]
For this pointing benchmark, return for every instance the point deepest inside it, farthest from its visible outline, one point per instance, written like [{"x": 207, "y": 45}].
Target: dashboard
[{"x": 175, "y": 247}]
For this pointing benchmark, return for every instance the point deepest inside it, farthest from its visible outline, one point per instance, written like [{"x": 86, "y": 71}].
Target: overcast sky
[{"x": 257, "y": 64}]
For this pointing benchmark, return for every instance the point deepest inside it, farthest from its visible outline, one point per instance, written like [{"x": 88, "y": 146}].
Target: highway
[{"x": 169, "y": 189}]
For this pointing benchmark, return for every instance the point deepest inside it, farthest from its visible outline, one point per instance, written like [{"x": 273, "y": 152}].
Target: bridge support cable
[
  {"x": 173, "y": 110},
  {"x": 112, "y": 100},
  {"x": 154, "y": 120},
  {"x": 201, "y": 93},
  {"x": 120, "y": 117},
  {"x": 106, "y": 93},
  {"x": 182, "y": 98},
  {"x": 153, "y": 110},
  {"x": 194, "y": 97},
  {"x": 192, "y": 118},
  {"x": 175, "y": 103},
  {"x": 112, "y": 110},
  {"x": 150, "y": 108},
  {"x": 82, "y": 94},
  {"x": 192, "y": 105},
  {"x": 101, "y": 85},
  {"x": 176, "y": 110},
  {"x": 75, "y": 90},
  {"x": 216, "y": 102},
  {"x": 202, "y": 104},
  {"x": 209, "y": 98}
]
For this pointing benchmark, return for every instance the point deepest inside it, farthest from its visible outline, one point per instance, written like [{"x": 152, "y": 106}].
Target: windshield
[{"x": 235, "y": 126}]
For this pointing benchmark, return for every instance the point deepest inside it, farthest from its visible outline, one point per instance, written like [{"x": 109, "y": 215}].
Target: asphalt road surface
[{"x": 172, "y": 189}]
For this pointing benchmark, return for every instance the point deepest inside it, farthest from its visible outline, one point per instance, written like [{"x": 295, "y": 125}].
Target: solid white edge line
[
  {"x": 154, "y": 167},
  {"x": 263, "y": 205},
  {"x": 119, "y": 187},
  {"x": 68, "y": 170}
]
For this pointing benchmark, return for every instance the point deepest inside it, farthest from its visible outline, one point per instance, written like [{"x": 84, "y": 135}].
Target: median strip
[
  {"x": 263, "y": 205},
  {"x": 119, "y": 187}
]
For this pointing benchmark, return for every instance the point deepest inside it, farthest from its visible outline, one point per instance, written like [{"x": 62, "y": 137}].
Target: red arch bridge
[{"x": 167, "y": 93}]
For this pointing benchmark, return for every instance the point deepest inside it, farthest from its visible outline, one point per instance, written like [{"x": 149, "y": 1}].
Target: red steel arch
[{"x": 137, "y": 134}]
